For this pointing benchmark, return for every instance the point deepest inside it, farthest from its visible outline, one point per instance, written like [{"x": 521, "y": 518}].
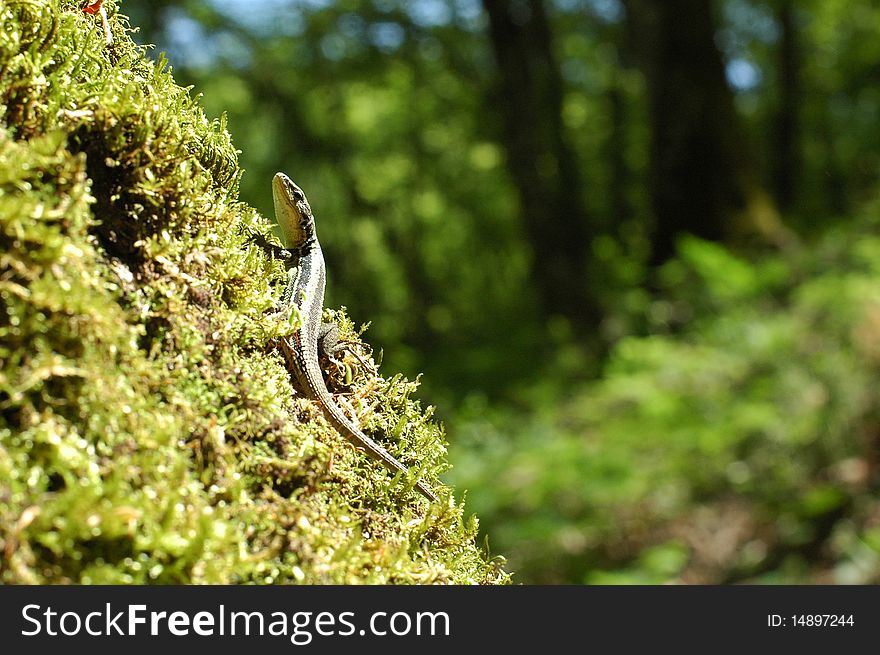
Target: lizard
[{"x": 306, "y": 279}]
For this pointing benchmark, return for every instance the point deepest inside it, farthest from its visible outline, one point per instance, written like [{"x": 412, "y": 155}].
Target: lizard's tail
[{"x": 362, "y": 442}]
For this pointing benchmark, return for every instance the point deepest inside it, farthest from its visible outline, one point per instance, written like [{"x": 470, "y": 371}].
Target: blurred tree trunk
[
  {"x": 786, "y": 154},
  {"x": 621, "y": 208},
  {"x": 702, "y": 178},
  {"x": 541, "y": 163}
]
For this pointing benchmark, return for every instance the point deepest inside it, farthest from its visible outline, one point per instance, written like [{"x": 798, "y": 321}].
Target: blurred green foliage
[{"x": 737, "y": 442}]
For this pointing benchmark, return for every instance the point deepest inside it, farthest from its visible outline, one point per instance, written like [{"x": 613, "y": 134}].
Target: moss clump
[{"x": 148, "y": 433}]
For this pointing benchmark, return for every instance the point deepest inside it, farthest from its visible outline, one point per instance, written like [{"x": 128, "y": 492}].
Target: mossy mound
[{"x": 148, "y": 433}]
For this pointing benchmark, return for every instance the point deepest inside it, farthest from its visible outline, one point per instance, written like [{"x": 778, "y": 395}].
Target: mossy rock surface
[{"x": 149, "y": 433}]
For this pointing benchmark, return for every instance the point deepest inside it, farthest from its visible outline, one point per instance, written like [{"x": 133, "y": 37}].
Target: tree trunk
[
  {"x": 542, "y": 165},
  {"x": 702, "y": 179},
  {"x": 786, "y": 153},
  {"x": 621, "y": 210}
]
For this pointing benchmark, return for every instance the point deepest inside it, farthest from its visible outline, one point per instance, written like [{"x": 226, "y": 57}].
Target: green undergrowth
[
  {"x": 735, "y": 443},
  {"x": 148, "y": 431}
]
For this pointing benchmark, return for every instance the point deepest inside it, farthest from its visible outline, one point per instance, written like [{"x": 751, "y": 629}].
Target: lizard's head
[{"x": 292, "y": 211}]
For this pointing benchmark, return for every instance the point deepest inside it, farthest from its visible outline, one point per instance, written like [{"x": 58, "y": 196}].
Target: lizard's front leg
[{"x": 274, "y": 250}]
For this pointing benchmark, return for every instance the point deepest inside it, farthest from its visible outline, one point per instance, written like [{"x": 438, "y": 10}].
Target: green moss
[{"x": 148, "y": 433}]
